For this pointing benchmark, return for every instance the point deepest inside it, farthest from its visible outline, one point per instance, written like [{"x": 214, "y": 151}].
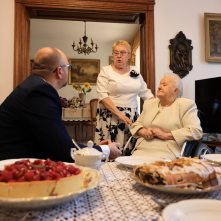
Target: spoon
[
  {"x": 215, "y": 182},
  {"x": 214, "y": 164},
  {"x": 162, "y": 203},
  {"x": 126, "y": 145},
  {"x": 184, "y": 184},
  {"x": 76, "y": 144}
]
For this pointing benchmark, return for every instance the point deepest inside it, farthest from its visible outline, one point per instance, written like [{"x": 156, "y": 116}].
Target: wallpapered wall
[
  {"x": 173, "y": 16},
  {"x": 6, "y": 47}
]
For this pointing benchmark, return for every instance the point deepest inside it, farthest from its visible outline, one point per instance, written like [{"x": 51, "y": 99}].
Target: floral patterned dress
[{"x": 123, "y": 91}]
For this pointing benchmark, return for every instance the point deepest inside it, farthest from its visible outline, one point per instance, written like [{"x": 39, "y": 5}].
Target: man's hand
[
  {"x": 104, "y": 142},
  {"x": 114, "y": 151}
]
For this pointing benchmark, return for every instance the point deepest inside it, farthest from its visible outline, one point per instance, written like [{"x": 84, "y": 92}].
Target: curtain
[{"x": 135, "y": 43}]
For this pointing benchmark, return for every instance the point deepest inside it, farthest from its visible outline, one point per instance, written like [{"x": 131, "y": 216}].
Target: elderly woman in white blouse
[
  {"x": 166, "y": 122},
  {"x": 117, "y": 87}
]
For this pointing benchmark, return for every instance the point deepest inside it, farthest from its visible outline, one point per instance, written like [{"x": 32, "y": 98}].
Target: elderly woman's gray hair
[{"x": 178, "y": 83}]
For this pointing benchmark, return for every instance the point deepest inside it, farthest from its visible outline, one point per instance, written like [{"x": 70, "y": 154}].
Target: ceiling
[{"x": 70, "y": 31}]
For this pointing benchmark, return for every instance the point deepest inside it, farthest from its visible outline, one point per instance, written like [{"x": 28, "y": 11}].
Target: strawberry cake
[{"x": 41, "y": 178}]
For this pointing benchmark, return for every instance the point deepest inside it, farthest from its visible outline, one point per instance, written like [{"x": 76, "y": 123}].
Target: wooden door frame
[{"x": 144, "y": 7}]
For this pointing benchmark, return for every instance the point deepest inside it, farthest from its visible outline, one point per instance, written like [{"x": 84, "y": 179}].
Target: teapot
[{"x": 88, "y": 156}]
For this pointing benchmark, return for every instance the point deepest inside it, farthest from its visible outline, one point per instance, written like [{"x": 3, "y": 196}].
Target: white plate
[
  {"x": 44, "y": 202},
  {"x": 215, "y": 158},
  {"x": 133, "y": 161},
  {"x": 11, "y": 161},
  {"x": 178, "y": 190},
  {"x": 192, "y": 210}
]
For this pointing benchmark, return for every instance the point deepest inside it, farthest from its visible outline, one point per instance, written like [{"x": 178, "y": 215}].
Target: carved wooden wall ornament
[{"x": 180, "y": 55}]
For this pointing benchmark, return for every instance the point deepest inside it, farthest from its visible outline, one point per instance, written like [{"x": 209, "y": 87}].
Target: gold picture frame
[
  {"x": 212, "y": 22},
  {"x": 83, "y": 70},
  {"x": 111, "y": 60}
]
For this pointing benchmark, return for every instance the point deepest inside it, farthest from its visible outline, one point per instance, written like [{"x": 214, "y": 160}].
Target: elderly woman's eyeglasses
[
  {"x": 122, "y": 53},
  {"x": 63, "y": 66}
]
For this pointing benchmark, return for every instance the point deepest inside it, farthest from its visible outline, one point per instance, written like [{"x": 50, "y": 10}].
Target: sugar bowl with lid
[{"x": 88, "y": 156}]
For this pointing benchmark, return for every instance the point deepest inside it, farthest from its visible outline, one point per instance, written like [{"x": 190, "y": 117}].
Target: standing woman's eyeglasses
[
  {"x": 122, "y": 53},
  {"x": 63, "y": 66}
]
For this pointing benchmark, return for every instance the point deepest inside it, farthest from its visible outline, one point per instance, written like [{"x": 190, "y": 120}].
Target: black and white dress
[{"x": 123, "y": 91}]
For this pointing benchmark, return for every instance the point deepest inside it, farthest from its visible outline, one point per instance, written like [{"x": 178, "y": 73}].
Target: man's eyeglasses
[
  {"x": 122, "y": 53},
  {"x": 63, "y": 66}
]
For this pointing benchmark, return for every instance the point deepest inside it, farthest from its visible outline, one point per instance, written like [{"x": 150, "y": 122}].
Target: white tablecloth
[
  {"x": 118, "y": 197},
  {"x": 76, "y": 114}
]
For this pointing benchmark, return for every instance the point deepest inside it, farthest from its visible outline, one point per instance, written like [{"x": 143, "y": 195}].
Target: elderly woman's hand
[
  {"x": 145, "y": 133},
  {"x": 157, "y": 132}
]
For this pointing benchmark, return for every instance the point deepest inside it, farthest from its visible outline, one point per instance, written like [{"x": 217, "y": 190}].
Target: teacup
[{"x": 88, "y": 156}]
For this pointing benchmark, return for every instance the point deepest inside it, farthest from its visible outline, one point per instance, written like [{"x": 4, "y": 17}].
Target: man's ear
[{"x": 59, "y": 73}]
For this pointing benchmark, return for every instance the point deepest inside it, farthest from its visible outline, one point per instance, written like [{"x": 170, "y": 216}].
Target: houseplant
[
  {"x": 75, "y": 102},
  {"x": 83, "y": 90}
]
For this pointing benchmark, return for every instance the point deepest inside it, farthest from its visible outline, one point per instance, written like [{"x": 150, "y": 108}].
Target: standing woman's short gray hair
[{"x": 178, "y": 82}]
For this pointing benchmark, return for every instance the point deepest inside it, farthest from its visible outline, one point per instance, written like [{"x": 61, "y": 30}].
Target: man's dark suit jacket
[{"x": 31, "y": 124}]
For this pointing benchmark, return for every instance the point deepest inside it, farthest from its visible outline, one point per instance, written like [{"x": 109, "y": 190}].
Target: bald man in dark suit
[{"x": 30, "y": 117}]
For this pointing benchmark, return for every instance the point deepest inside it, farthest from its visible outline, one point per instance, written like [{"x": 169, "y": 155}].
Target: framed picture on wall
[
  {"x": 111, "y": 59},
  {"x": 212, "y": 23},
  {"x": 84, "y": 70}
]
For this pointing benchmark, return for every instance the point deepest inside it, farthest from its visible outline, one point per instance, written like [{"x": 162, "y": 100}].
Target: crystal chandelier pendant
[{"x": 83, "y": 48}]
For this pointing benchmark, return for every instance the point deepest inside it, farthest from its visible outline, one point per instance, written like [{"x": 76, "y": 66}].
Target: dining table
[{"x": 118, "y": 197}]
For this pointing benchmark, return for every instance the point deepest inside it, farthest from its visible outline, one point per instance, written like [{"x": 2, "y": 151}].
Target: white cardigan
[
  {"x": 180, "y": 119},
  {"x": 121, "y": 89}
]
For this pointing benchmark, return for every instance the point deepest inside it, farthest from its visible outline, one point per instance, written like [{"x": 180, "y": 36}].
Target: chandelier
[{"x": 83, "y": 48}]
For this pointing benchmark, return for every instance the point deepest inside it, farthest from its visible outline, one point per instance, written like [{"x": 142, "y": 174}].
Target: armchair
[{"x": 195, "y": 149}]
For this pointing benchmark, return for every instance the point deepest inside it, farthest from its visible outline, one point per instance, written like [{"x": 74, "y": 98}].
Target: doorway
[{"x": 129, "y": 11}]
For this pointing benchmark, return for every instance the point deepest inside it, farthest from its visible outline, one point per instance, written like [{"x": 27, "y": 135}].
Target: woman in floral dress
[{"x": 117, "y": 87}]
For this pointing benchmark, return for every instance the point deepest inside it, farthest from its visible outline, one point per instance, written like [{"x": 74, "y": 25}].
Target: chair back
[{"x": 93, "y": 108}]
